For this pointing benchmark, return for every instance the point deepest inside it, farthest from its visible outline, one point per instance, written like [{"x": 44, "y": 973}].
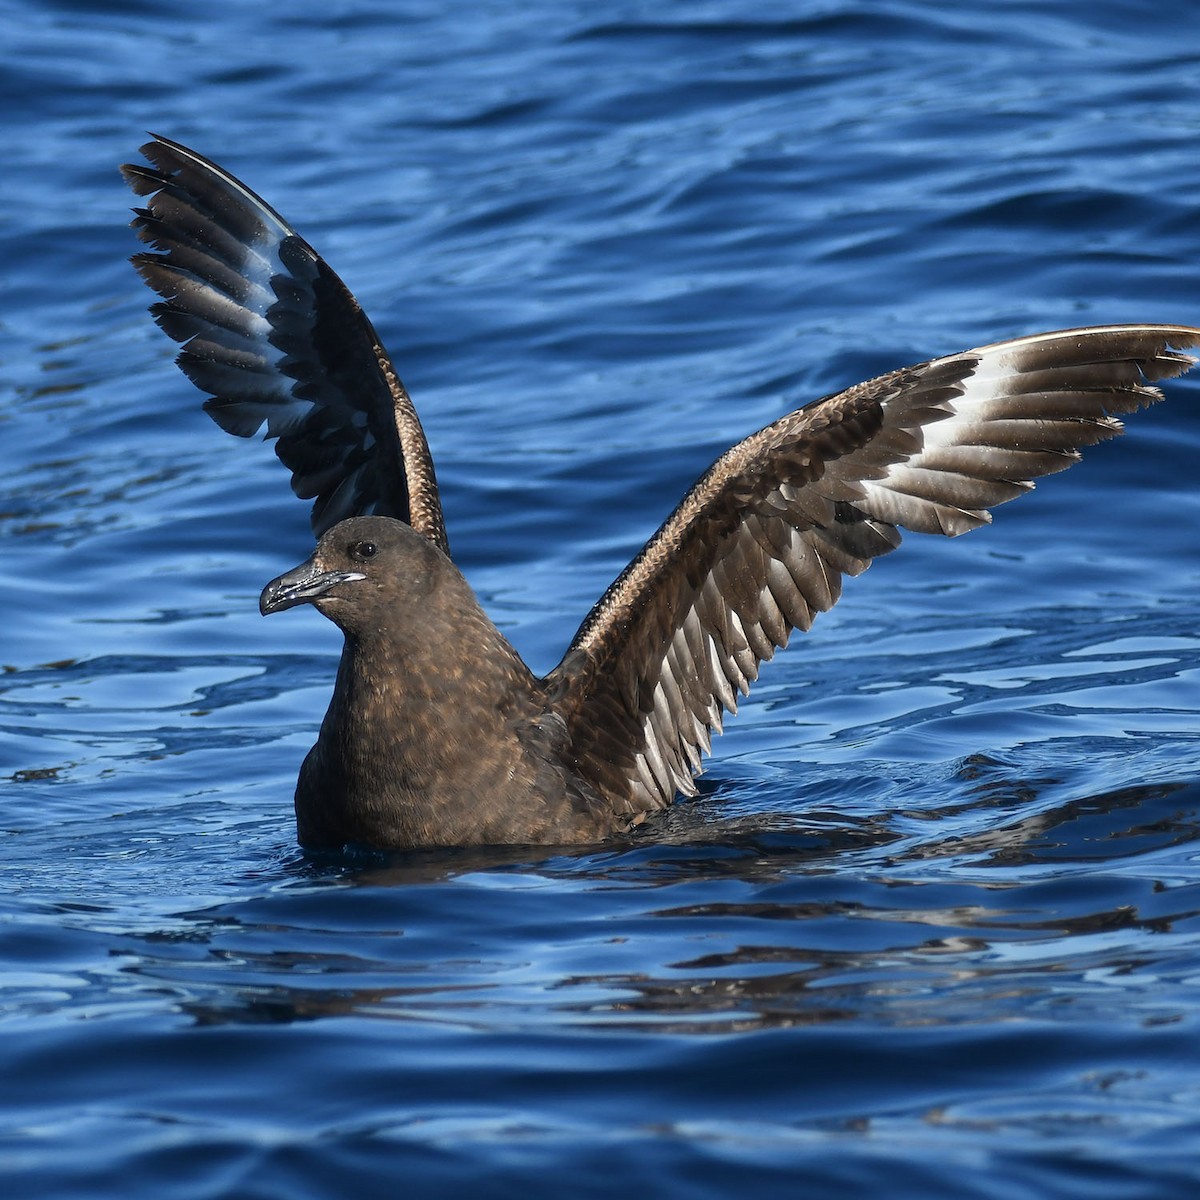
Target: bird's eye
[{"x": 363, "y": 550}]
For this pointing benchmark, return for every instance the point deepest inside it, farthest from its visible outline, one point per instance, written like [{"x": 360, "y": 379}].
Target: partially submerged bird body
[
  {"x": 431, "y": 705},
  {"x": 437, "y": 732}
]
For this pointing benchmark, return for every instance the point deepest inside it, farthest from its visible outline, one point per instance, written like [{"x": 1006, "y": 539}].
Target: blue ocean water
[{"x": 931, "y": 929}]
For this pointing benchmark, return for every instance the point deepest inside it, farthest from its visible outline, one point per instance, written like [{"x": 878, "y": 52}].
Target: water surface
[{"x": 930, "y": 928}]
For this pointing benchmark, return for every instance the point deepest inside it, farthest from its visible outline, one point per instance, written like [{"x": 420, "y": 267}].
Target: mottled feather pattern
[{"x": 760, "y": 544}]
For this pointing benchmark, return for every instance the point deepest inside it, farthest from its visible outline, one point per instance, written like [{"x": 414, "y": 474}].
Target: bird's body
[
  {"x": 432, "y": 705},
  {"x": 437, "y": 732}
]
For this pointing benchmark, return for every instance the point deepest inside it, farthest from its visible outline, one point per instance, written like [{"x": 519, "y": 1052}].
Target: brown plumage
[{"x": 437, "y": 733}]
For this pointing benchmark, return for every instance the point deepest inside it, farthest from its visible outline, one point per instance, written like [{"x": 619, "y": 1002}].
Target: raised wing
[
  {"x": 761, "y": 542},
  {"x": 275, "y": 337}
]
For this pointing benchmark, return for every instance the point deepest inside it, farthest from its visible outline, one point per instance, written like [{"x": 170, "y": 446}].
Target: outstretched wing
[
  {"x": 275, "y": 337},
  {"x": 761, "y": 542}
]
